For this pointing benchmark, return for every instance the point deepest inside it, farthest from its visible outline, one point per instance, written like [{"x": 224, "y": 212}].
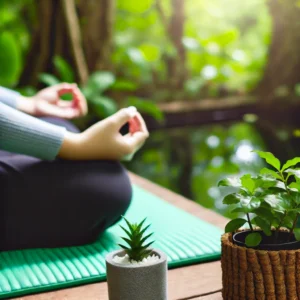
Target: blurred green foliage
[
  {"x": 100, "y": 105},
  {"x": 190, "y": 161},
  {"x": 226, "y": 42}
]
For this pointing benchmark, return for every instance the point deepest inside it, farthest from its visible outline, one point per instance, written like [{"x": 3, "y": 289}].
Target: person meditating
[{"x": 60, "y": 187}]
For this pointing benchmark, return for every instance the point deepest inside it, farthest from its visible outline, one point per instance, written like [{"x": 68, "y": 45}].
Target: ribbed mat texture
[{"x": 184, "y": 238}]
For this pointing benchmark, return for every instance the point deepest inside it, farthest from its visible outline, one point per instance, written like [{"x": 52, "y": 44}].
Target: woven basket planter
[{"x": 258, "y": 274}]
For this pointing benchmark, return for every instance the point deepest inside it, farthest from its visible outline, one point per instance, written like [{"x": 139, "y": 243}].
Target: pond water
[{"x": 191, "y": 161}]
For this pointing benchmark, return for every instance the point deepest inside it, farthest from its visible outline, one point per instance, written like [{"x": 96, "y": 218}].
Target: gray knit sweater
[{"x": 21, "y": 133}]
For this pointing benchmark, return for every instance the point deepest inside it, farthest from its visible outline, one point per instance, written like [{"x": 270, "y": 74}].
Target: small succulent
[{"x": 136, "y": 250}]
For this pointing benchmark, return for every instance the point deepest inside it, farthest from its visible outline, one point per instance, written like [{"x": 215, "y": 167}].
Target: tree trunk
[
  {"x": 174, "y": 27},
  {"x": 282, "y": 69},
  {"x": 97, "y": 31},
  {"x": 58, "y": 32},
  {"x": 37, "y": 60},
  {"x": 176, "y": 32}
]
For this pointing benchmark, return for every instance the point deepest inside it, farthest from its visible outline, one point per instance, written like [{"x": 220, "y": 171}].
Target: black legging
[{"x": 58, "y": 203}]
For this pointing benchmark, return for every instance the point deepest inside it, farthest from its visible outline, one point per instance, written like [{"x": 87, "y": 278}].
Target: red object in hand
[
  {"x": 134, "y": 125},
  {"x": 75, "y": 97}
]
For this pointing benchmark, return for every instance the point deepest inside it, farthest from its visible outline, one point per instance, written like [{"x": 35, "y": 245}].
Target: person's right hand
[{"x": 104, "y": 140}]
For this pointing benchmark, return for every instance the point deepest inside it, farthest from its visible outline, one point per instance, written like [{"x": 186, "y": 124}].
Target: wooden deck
[{"x": 202, "y": 281}]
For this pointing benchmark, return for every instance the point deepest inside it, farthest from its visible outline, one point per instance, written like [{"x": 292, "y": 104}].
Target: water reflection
[{"x": 190, "y": 161}]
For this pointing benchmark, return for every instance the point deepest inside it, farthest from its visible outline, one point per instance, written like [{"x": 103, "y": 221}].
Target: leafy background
[{"x": 226, "y": 44}]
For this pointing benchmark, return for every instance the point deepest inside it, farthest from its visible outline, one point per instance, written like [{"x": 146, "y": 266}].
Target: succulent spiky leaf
[
  {"x": 139, "y": 227},
  {"x": 124, "y": 247},
  {"x": 146, "y": 246},
  {"x": 127, "y": 232},
  {"x": 143, "y": 231},
  {"x": 146, "y": 237},
  {"x": 128, "y": 241},
  {"x": 130, "y": 226},
  {"x": 136, "y": 250}
]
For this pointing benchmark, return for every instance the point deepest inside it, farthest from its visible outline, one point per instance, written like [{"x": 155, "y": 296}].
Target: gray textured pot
[{"x": 135, "y": 282}]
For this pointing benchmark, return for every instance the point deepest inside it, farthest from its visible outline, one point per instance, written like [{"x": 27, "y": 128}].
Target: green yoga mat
[{"x": 184, "y": 238}]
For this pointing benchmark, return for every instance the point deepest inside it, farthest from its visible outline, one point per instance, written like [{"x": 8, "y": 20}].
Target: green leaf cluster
[
  {"x": 136, "y": 249},
  {"x": 269, "y": 200},
  {"x": 97, "y": 88}
]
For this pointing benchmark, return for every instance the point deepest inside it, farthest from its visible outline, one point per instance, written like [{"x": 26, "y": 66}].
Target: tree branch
[{"x": 75, "y": 39}]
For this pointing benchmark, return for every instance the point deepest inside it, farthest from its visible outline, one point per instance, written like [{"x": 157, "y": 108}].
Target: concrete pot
[{"x": 137, "y": 282}]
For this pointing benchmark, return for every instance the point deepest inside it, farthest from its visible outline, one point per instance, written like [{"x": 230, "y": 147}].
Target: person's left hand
[{"x": 48, "y": 102}]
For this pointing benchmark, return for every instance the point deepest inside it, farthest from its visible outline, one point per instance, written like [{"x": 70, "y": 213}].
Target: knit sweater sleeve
[
  {"x": 8, "y": 97},
  {"x": 24, "y": 134}
]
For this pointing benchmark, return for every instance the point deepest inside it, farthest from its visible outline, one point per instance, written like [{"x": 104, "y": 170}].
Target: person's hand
[
  {"x": 48, "y": 102},
  {"x": 104, "y": 140}
]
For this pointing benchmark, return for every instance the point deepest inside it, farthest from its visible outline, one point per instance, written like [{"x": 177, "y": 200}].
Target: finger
[
  {"x": 123, "y": 116},
  {"x": 55, "y": 111},
  {"x": 64, "y": 104},
  {"x": 143, "y": 126},
  {"x": 134, "y": 125},
  {"x": 136, "y": 140},
  {"x": 63, "y": 87},
  {"x": 80, "y": 100}
]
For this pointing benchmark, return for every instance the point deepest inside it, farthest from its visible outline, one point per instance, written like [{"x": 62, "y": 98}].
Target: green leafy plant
[
  {"x": 136, "y": 250},
  {"x": 96, "y": 87},
  {"x": 269, "y": 200}
]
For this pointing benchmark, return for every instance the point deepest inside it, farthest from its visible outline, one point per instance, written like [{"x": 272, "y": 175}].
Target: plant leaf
[
  {"x": 145, "y": 238},
  {"x": 240, "y": 210},
  {"x": 124, "y": 247},
  {"x": 264, "y": 213},
  {"x": 144, "y": 230},
  {"x": 297, "y": 233},
  {"x": 290, "y": 163},
  {"x": 124, "y": 85},
  {"x": 100, "y": 81},
  {"x": 129, "y": 225},
  {"x": 48, "y": 79},
  {"x": 103, "y": 106},
  {"x": 128, "y": 241},
  {"x": 127, "y": 232},
  {"x": 270, "y": 159},
  {"x": 273, "y": 200},
  {"x": 234, "y": 224},
  {"x": 139, "y": 227},
  {"x": 250, "y": 203},
  {"x": 230, "y": 181},
  {"x": 264, "y": 225},
  {"x": 265, "y": 181},
  {"x": 146, "y": 246},
  {"x": 248, "y": 183},
  {"x": 64, "y": 69},
  {"x": 295, "y": 172},
  {"x": 295, "y": 186},
  {"x": 253, "y": 239},
  {"x": 232, "y": 199},
  {"x": 10, "y": 56},
  {"x": 266, "y": 171},
  {"x": 146, "y": 106}
]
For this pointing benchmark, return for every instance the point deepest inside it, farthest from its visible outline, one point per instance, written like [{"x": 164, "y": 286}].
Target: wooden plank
[
  {"x": 216, "y": 296},
  {"x": 180, "y": 201},
  {"x": 183, "y": 283},
  {"x": 206, "y": 104},
  {"x": 206, "y": 111}
]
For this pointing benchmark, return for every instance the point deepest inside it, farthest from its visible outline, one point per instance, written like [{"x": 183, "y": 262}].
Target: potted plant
[
  {"x": 262, "y": 260},
  {"x": 136, "y": 272}
]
